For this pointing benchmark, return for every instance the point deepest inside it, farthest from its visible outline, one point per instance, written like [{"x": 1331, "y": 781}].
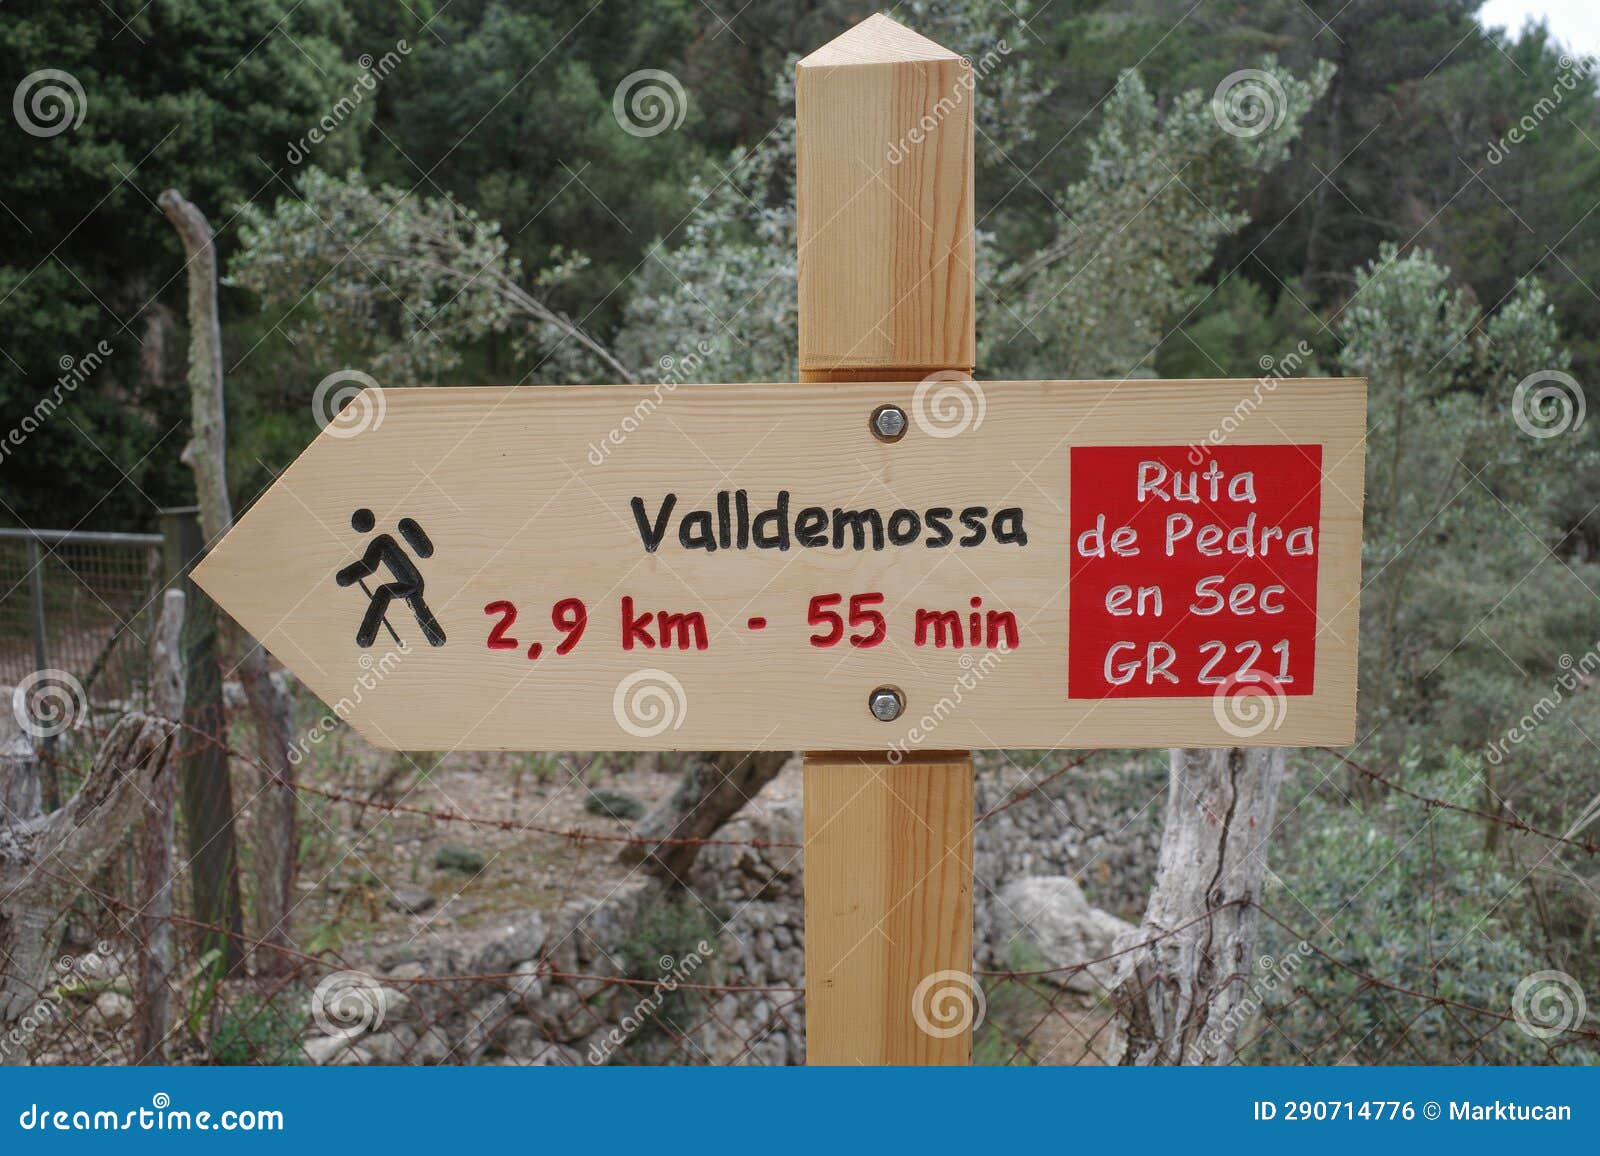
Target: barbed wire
[
  {"x": 489, "y": 1012},
  {"x": 1433, "y": 998},
  {"x": 580, "y": 835},
  {"x": 1510, "y": 822}
]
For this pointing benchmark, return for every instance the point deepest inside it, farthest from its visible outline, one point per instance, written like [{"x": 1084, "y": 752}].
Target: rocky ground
[
  {"x": 507, "y": 865},
  {"x": 550, "y": 908}
]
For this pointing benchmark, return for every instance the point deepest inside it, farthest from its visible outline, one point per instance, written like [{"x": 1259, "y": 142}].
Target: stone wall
[{"x": 1102, "y": 828}]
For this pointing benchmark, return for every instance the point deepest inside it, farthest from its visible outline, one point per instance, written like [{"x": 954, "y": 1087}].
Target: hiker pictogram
[{"x": 406, "y": 583}]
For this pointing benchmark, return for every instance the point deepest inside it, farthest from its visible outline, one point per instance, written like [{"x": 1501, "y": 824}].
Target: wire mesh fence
[
  {"x": 79, "y": 602},
  {"x": 567, "y": 978},
  {"x": 318, "y": 1012}
]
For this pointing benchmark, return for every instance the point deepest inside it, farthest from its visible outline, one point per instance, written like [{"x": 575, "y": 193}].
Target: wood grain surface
[{"x": 504, "y": 483}]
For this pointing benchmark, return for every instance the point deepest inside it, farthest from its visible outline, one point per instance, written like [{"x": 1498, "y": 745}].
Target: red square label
[{"x": 1193, "y": 569}]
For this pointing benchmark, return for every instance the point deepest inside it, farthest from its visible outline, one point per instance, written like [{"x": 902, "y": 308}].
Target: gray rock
[
  {"x": 397, "y": 1006},
  {"x": 1044, "y": 921},
  {"x": 519, "y": 943},
  {"x": 562, "y": 1016},
  {"x": 487, "y": 1016},
  {"x": 527, "y": 986},
  {"x": 335, "y": 1051},
  {"x": 113, "y": 1009},
  {"x": 520, "y": 1038},
  {"x": 432, "y": 1047},
  {"x": 410, "y": 900},
  {"x": 588, "y": 989},
  {"x": 392, "y": 1047},
  {"x": 598, "y": 1047},
  {"x": 769, "y": 1051},
  {"x": 556, "y": 1056}
]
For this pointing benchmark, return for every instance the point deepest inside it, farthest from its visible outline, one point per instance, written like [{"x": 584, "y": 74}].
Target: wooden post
[
  {"x": 884, "y": 185},
  {"x": 884, "y": 201},
  {"x": 274, "y": 842},
  {"x": 153, "y": 844},
  {"x": 204, "y": 782}
]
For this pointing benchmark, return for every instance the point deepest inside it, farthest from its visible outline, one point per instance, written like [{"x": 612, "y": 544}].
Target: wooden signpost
[{"x": 885, "y": 562}]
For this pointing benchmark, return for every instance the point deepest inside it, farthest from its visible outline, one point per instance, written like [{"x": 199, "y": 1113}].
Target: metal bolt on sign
[
  {"x": 889, "y": 423},
  {"x": 886, "y": 703}
]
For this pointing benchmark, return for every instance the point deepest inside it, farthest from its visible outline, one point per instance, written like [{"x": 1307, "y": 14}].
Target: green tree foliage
[
  {"x": 1406, "y": 893},
  {"x": 400, "y": 282},
  {"x": 509, "y": 108},
  {"x": 1139, "y": 231},
  {"x": 1462, "y": 590},
  {"x": 186, "y": 93},
  {"x": 1140, "y": 228},
  {"x": 1376, "y": 187},
  {"x": 721, "y": 305},
  {"x": 720, "y": 302}
]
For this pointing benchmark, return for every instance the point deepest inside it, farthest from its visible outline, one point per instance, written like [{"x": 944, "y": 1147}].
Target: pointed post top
[
  {"x": 877, "y": 40},
  {"x": 884, "y": 126}
]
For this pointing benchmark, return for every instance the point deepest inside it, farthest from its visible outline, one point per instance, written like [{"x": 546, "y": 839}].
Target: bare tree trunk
[
  {"x": 205, "y": 787},
  {"x": 41, "y": 861},
  {"x": 20, "y": 798},
  {"x": 713, "y": 788},
  {"x": 1313, "y": 274},
  {"x": 1178, "y": 998},
  {"x": 152, "y": 997},
  {"x": 273, "y": 848}
]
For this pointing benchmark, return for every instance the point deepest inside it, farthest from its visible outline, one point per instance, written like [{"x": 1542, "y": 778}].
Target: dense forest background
[
  {"x": 506, "y": 109},
  {"x": 452, "y": 192}
]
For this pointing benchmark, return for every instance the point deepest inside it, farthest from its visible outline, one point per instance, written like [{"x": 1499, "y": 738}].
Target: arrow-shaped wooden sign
[{"x": 943, "y": 564}]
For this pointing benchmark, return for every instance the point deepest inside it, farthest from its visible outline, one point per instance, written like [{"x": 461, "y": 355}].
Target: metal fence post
[
  {"x": 41, "y": 645},
  {"x": 49, "y": 773}
]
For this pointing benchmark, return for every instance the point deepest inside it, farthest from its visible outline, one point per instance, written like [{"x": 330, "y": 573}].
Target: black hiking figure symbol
[{"x": 407, "y": 584}]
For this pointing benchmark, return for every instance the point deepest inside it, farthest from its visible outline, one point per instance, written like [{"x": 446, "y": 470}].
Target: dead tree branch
[{"x": 207, "y": 455}]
